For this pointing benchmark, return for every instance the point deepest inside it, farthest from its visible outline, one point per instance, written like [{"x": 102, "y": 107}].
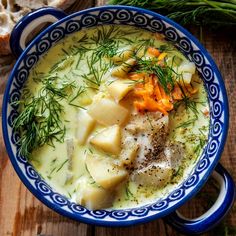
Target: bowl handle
[
  {"x": 28, "y": 23},
  {"x": 215, "y": 214}
]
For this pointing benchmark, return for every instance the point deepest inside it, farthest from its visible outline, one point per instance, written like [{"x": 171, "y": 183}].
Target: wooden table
[{"x": 21, "y": 214}]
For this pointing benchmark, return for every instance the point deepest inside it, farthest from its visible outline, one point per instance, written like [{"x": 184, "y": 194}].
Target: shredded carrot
[
  {"x": 151, "y": 96},
  {"x": 206, "y": 112},
  {"x": 177, "y": 93},
  {"x": 167, "y": 104},
  {"x": 149, "y": 104},
  {"x": 153, "y": 51},
  {"x": 136, "y": 76},
  {"x": 157, "y": 92}
]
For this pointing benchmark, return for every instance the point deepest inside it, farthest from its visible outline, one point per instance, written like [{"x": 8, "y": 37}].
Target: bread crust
[
  {"x": 13, "y": 10},
  {"x": 4, "y": 44}
]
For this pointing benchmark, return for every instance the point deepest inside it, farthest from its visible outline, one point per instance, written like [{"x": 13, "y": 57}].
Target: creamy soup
[{"x": 113, "y": 117}]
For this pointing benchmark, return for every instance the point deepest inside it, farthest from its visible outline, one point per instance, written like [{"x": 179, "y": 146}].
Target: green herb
[
  {"x": 60, "y": 167},
  {"x": 190, "y": 104},
  {"x": 164, "y": 74},
  {"x": 86, "y": 168},
  {"x": 143, "y": 44},
  {"x": 67, "y": 61},
  {"x": 128, "y": 193},
  {"x": 104, "y": 34},
  {"x": 80, "y": 91},
  {"x": 199, "y": 12},
  {"x": 64, "y": 51},
  {"x": 150, "y": 122},
  {"x": 95, "y": 74},
  {"x": 107, "y": 45},
  {"x": 39, "y": 121},
  {"x": 201, "y": 139},
  {"x": 69, "y": 194},
  {"x": 187, "y": 123},
  {"x": 49, "y": 176},
  {"x": 178, "y": 173},
  {"x": 90, "y": 150},
  {"x": 83, "y": 39},
  {"x": 108, "y": 48},
  {"x": 166, "y": 48}
]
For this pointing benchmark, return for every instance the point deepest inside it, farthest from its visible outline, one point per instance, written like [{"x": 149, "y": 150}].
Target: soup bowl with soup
[{"x": 116, "y": 116}]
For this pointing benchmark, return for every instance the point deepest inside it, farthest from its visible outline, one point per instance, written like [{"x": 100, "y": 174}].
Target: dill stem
[{"x": 222, "y": 5}]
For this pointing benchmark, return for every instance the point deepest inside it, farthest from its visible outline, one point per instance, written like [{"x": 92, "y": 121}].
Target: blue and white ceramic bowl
[{"x": 64, "y": 25}]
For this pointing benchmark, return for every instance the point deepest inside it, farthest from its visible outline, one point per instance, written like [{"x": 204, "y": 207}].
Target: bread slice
[{"x": 11, "y": 11}]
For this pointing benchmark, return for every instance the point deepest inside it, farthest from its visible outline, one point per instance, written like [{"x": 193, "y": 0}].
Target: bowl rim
[{"x": 125, "y": 222}]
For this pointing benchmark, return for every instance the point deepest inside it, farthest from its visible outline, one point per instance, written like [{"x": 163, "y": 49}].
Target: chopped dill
[
  {"x": 60, "y": 167},
  {"x": 95, "y": 74},
  {"x": 166, "y": 48},
  {"x": 51, "y": 172},
  {"x": 143, "y": 44},
  {"x": 150, "y": 122},
  {"x": 178, "y": 173},
  {"x": 108, "y": 48},
  {"x": 80, "y": 91},
  {"x": 83, "y": 39},
  {"x": 39, "y": 121},
  {"x": 104, "y": 34},
  {"x": 90, "y": 150},
  {"x": 86, "y": 168},
  {"x": 128, "y": 193},
  {"x": 164, "y": 74},
  {"x": 187, "y": 123},
  {"x": 65, "y": 52},
  {"x": 69, "y": 194},
  {"x": 201, "y": 143}
]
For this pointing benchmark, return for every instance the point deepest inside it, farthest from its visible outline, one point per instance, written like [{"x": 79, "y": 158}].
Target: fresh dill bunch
[{"x": 199, "y": 12}]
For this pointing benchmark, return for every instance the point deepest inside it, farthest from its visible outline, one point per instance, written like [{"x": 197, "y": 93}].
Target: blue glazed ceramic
[{"x": 208, "y": 162}]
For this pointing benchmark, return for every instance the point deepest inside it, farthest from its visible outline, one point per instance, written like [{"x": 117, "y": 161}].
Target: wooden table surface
[{"x": 21, "y": 214}]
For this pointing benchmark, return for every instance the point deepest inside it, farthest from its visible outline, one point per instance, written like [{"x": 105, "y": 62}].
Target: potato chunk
[
  {"x": 187, "y": 77},
  {"x": 187, "y": 66},
  {"x": 155, "y": 174},
  {"x": 124, "y": 68},
  {"x": 119, "y": 88},
  {"x": 108, "y": 140},
  {"x": 107, "y": 112},
  {"x": 94, "y": 197},
  {"x": 85, "y": 126},
  {"x": 123, "y": 54},
  {"x": 105, "y": 172}
]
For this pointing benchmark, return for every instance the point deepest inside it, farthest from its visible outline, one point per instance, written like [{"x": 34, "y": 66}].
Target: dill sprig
[
  {"x": 106, "y": 42},
  {"x": 187, "y": 123},
  {"x": 199, "y": 12},
  {"x": 61, "y": 166},
  {"x": 39, "y": 121},
  {"x": 80, "y": 91},
  {"x": 128, "y": 193},
  {"x": 164, "y": 74},
  {"x": 96, "y": 72}
]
